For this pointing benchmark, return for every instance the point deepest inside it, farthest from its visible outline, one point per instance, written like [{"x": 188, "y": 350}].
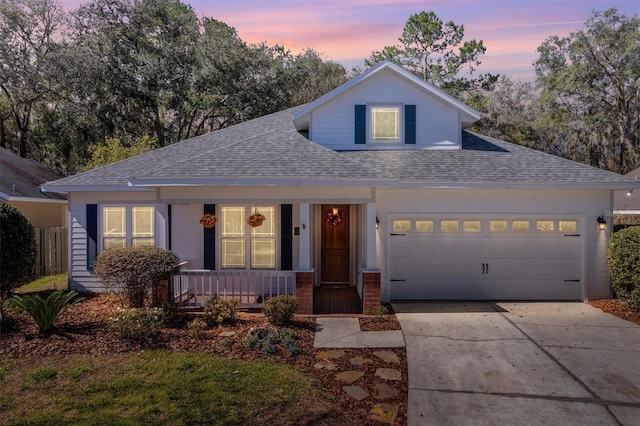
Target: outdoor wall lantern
[
  {"x": 377, "y": 223},
  {"x": 602, "y": 224}
]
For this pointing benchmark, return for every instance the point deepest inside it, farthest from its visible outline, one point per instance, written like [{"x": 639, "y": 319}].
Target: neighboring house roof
[
  {"x": 468, "y": 115},
  {"x": 21, "y": 178},
  {"x": 627, "y": 202},
  {"x": 270, "y": 151}
]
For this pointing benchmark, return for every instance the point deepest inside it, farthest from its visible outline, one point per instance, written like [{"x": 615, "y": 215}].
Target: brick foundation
[
  {"x": 371, "y": 289},
  {"x": 304, "y": 292}
]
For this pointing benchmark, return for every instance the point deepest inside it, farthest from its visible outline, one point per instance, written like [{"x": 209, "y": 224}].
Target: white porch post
[
  {"x": 305, "y": 238},
  {"x": 370, "y": 236}
]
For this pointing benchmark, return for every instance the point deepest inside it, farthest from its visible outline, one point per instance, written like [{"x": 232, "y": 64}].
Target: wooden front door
[{"x": 335, "y": 244}]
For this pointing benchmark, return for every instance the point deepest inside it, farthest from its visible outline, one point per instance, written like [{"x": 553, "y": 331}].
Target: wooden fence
[{"x": 51, "y": 251}]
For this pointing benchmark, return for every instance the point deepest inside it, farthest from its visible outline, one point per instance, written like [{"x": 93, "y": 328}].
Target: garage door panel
[{"x": 485, "y": 266}]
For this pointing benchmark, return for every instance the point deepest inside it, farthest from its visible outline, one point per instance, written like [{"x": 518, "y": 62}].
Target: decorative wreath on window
[
  {"x": 334, "y": 219},
  {"x": 256, "y": 218},
  {"x": 208, "y": 220}
]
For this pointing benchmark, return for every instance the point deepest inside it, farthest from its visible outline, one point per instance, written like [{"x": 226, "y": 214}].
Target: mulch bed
[
  {"x": 617, "y": 308},
  {"x": 83, "y": 329}
]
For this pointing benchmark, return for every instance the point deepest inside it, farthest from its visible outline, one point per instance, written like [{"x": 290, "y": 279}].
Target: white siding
[
  {"x": 79, "y": 277},
  {"x": 332, "y": 125}
]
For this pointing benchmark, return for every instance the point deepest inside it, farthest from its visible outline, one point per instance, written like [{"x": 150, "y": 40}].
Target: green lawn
[
  {"x": 49, "y": 282},
  {"x": 156, "y": 387}
]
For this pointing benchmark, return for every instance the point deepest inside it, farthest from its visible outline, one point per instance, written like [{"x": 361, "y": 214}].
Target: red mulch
[
  {"x": 82, "y": 329},
  {"x": 617, "y": 308}
]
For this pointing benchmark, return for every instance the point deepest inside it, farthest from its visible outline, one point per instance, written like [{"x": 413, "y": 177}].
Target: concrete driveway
[{"x": 520, "y": 364}]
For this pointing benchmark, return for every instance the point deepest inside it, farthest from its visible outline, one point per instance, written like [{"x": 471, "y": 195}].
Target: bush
[
  {"x": 138, "y": 323},
  {"x": 267, "y": 339},
  {"x": 133, "y": 270},
  {"x": 280, "y": 310},
  {"x": 17, "y": 251},
  {"x": 220, "y": 311},
  {"x": 197, "y": 327},
  {"x": 624, "y": 265},
  {"x": 45, "y": 311}
]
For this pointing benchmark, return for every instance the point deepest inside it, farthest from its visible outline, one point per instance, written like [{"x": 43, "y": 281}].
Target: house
[
  {"x": 20, "y": 181},
  {"x": 626, "y": 204},
  {"x": 375, "y": 185}
]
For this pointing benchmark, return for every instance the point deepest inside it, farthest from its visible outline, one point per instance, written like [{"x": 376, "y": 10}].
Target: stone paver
[
  {"x": 349, "y": 377},
  {"x": 356, "y": 392},
  {"x": 385, "y": 413},
  {"x": 329, "y": 354},
  {"x": 360, "y": 361},
  {"x": 388, "y": 356},
  {"x": 327, "y": 365},
  {"x": 385, "y": 391},
  {"x": 389, "y": 373},
  {"x": 227, "y": 334}
]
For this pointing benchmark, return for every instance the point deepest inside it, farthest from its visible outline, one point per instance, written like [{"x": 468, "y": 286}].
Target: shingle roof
[
  {"x": 21, "y": 177},
  {"x": 270, "y": 150}
]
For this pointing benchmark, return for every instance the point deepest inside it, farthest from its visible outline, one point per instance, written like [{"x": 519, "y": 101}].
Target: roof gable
[{"x": 468, "y": 115}]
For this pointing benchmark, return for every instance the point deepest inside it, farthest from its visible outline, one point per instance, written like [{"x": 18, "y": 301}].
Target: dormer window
[{"x": 385, "y": 124}]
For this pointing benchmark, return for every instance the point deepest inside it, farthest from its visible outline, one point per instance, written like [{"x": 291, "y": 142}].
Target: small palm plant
[{"x": 45, "y": 311}]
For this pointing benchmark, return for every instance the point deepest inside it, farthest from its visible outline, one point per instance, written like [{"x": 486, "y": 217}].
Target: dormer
[{"x": 386, "y": 107}]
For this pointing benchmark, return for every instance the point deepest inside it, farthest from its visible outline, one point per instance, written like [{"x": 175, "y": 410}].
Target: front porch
[{"x": 193, "y": 287}]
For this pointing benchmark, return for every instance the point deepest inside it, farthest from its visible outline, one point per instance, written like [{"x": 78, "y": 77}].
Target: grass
[
  {"x": 157, "y": 387},
  {"x": 49, "y": 282}
]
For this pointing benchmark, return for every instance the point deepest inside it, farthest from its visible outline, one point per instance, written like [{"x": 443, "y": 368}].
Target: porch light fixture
[
  {"x": 602, "y": 224},
  {"x": 629, "y": 192},
  {"x": 377, "y": 223}
]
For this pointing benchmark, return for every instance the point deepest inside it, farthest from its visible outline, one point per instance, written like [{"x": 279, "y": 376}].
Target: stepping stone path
[
  {"x": 381, "y": 412},
  {"x": 227, "y": 334}
]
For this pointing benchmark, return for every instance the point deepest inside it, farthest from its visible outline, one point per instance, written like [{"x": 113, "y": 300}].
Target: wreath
[
  {"x": 256, "y": 219},
  {"x": 208, "y": 220},
  {"x": 334, "y": 219}
]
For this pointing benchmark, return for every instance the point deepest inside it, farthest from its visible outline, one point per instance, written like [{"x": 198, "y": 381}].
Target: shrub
[
  {"x": 132, "y": 270},
  {"x": 267, "y": 339},
  {"x": 45, "y": 311},
  {"x": 280, "y": 310},
  {"x": 17, "y": 251},
  {"x": 197, "y": 327},
  {"x": 378, "y": 311},
  {"x": 138, "y": 323},
  {"x": 42, "y": 374},
  {"x": 220, "y": 311},
  {"x": 624, "y": 265}
]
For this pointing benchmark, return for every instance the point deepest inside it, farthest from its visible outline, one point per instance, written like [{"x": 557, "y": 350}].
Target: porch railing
[{"x": 193, "y": 287}]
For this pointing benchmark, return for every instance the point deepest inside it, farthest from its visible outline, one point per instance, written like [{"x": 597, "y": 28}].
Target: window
[
  {"x": 449, "y": 226},
  {"x": 385, "y": 124},
  {"x": 127, "y": 226},
  {"x": 239, "y": 240},
  {"x": 544, "y": 226},
  {"x": 520, "y": 226},
  {"x": 401, "y": 226},
  {"x": 567, "y": 226},
  {"x": 498, "y": 226},
  {"x": 471, "y": 226},
  {"x": 424, "y": 226}
]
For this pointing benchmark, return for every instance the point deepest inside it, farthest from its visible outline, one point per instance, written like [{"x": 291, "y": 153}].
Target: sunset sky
[{"x": 347, "y": 31}]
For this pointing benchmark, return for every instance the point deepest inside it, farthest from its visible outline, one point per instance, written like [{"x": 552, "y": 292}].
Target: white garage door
[{"x": 484, "y": 259}]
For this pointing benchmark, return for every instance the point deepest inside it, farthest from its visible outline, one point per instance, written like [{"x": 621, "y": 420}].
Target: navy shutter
[
  {"x": 286, "y": 237},
  {"x": 169, "y": 222},
  {"x": 92, "y": 235},
  {"x": 209, "y": 240},
  {"x": 410, "y": 124},
  {"x": 361, "y": 124}
]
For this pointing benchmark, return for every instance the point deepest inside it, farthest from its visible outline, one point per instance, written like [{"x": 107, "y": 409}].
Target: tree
[
  {"x": 29, "y": 48},
  {"x": 432, "y": 49},
  {"x": 17, "y": 251},
  {"x": 590, "y": 84},
  {"x": 113, "y": 149}
]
